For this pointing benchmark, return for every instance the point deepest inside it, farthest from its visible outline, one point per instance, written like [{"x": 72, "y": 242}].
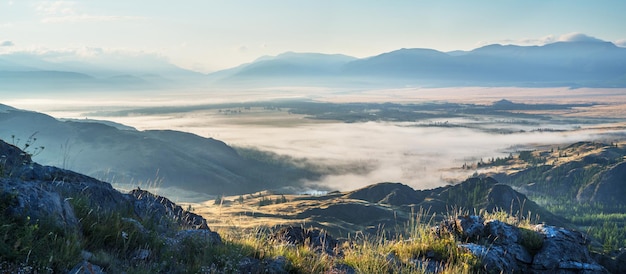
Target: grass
[
  {"x": 113, "y": 242},
  {"x": 364, "y": 253},
  {"x": 38, "y": 245}
]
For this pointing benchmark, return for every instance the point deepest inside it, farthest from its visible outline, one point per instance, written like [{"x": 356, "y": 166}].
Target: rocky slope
[{"x": 39, "y": 201}]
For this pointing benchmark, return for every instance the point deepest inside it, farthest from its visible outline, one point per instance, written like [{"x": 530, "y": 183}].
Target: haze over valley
[
  {"x": 348, "y": 136},
  {"x": 423, "y": 140}
]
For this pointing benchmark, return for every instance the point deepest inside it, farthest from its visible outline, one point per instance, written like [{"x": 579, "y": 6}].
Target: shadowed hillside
[{"x": 156, "y": 158}]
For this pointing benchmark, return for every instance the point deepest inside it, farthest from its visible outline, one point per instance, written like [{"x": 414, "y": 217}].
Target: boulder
[
  {"x": 503, "y": 248},
  {"x": 564, "y": 250}
]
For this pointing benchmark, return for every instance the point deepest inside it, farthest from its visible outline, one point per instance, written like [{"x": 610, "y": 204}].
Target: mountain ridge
[
  {"x": 571, "y": 64},
  {"x": 563, "y": 63}
]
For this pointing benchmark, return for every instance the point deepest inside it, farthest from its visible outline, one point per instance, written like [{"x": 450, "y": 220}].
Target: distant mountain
[
  {"x": 291, "y": 67},
  {"x": 156, "y": 158},
  {"x": 594, "y": 64},
  {"x": 24, "y": 71}
]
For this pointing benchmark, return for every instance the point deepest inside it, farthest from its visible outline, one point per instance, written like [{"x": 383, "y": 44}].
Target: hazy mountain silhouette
[
  {"x": 574, "y": 64},
  {"x": 24, "y": 71},
  {"x": 584, "y": 63},
  {"x": 290, "y": 67}
]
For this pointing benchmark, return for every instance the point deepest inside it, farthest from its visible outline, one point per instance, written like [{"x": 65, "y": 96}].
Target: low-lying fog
[{"x": 412, "y": 153}]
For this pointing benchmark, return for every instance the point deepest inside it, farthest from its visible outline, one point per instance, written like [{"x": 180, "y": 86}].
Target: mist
[{"x": 362, "y": 153}]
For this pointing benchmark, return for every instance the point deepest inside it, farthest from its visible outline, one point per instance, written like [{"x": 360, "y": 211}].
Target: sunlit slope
[
  {"x": 373, "y": 209},
  {"x": 583, "y": 172}
]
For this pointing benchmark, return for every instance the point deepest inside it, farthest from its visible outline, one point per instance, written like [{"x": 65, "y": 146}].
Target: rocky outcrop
[
  {"x": 36, "y": 194},
  {"x": 148, "y": 205},
  {"x": 505, "y": 248}
]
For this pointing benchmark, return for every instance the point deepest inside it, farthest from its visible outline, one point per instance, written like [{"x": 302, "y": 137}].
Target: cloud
[
  {"x": 69, "y": 12},
  {"x": 7, "y": 44},
  {"x": 88, "y": 18},
  {"x": 620, "y": 43},
  {"x": 578, "y": 37},
  {"x": 53, "y": 8},
  {"x": 548, "y": 39},
  {"x": 242, "y": 49}
]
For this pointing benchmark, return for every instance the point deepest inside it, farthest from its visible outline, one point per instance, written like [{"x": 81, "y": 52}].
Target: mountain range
[
  {"x": 557, "y": 64},
  {"x": 28, "y": 71},
  {"x": 572, "y": 64}
]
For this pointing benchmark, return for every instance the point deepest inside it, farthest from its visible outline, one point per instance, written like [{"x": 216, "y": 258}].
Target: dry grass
[{"x": 249, "y": 214}]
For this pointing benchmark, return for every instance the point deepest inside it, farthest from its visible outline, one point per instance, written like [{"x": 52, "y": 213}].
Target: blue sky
[{"x": 208, "y": 35}]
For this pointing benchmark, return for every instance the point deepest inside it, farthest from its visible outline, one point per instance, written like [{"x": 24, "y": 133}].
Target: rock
[
  {"x": 136, "y": 224},
  {"x": 496, "y": 258},
  {"x": 609, "y": 263},
  {"x": 148, "y": 205},
  {"x": 32, "y": 200},
  {"x": 503, "y": 248},
  {"x": 36, "y": 193},
  {"x": 465, "y": 227},
  {"x": 200, "y": 234},
  {"x": 86, "y": 267},
  {"x": 564, "y": 250},
  {"x": 250, "y": 265},
  {"x": 277, "y": 265},
  {"x": 510, "y": 238},
  {"x": 315, "y": 238}
]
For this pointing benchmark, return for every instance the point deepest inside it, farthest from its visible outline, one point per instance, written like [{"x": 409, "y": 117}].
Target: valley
[
  {"x": 352, "y": 139},
  {"x": 334, "y": 137}
]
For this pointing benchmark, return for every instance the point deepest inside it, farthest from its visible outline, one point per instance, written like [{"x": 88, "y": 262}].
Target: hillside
[
  {"x": 380, "y": 207},
  {"x": 85, "y": 226},
  {"x": 583, "y": 182},
  {"x": 119, "y": 153},
  {"x": 54, "y": 220}
]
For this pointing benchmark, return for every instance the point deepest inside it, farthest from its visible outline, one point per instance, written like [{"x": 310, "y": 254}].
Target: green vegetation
[
  {"x": 29, "y": 145},
  {"x": 606, "y": 224},
  {"x": 557, "y": 177},
  {"x": 39, "y": 245},
  {"x": 365, "y": 253},
  {"x": 118, "y": 243}
]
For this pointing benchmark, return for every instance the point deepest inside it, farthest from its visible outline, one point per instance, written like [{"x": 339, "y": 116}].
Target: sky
[{"x": 209, "y": 35}]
